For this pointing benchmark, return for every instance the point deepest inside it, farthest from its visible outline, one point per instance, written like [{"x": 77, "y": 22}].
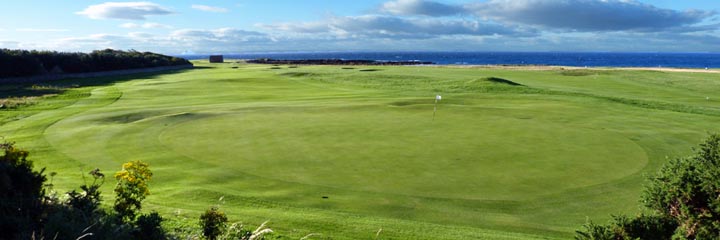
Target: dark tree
[{"x": 21, "y": 193}]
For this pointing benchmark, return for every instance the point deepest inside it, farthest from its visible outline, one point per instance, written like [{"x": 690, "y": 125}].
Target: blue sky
[{"x": 237, "y": 26}]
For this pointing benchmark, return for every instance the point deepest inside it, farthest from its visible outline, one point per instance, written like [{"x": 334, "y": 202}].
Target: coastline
[
  {"x": 574, "y": 59},
  {"x": 557, "y": 68},
  {"x": 528, "y": 67}
]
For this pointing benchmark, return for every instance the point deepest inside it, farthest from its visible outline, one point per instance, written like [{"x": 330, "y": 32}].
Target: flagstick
[
  {"x": 435, "y": 110},
  {"x": 437, "y": 98}
]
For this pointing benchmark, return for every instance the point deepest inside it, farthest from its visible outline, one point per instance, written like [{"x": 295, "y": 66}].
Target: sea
[{"x": 575, "y": 59}]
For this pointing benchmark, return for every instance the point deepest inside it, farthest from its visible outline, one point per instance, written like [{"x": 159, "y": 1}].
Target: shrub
[
  {"x": 131, "y": 189},
  {"x": 149, "y": 228},
  {"x": 26, "y": 213},
  {"x": 238, "y": 231},
  {"x": 21, "y": 193},
  {"x": 647, "y": 227},
  {"x": 595, "y": 232},
  {"x": 88, "y": 199},
  {"x": 687, "y": 190},
  {"x": 81, "y": 214},
  {"x": 213, "y": 223},
  {"x": 624, "y": 228},
  {"x": 684, "y": 196}
]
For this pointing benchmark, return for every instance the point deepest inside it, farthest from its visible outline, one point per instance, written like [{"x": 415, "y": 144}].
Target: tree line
[{"x": 24, "y": 63}]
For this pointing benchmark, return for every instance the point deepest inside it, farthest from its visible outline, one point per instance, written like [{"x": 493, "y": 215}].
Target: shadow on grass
[
  {"x": 202, "y": 67},
  {"x": 503, "y": 81},
  {"x": 59, "y": 86}
]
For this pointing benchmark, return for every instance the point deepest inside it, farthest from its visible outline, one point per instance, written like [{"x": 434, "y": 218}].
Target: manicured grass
[{"x": 343, "y": 152}]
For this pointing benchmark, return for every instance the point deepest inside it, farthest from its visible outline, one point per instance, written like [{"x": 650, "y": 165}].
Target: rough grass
[
  {"x": 502, "y": 81},
  {"x": 344, "y": 153}
]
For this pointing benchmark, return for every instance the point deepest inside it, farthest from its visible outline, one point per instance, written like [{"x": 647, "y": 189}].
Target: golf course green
[{"x": 358, "y": 153}]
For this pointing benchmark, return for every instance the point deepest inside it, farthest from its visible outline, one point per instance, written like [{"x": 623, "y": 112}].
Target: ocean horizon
[{"x": 574, "y": 59}]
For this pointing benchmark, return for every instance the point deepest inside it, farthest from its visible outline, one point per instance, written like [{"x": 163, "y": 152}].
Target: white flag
[{"x": 438, "y": 97}]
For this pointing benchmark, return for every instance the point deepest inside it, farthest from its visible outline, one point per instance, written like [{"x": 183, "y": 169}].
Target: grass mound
[{"x": 502, "y": 81}]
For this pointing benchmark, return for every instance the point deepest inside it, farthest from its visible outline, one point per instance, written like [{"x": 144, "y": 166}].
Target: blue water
[{"x": 677, "y": 60}]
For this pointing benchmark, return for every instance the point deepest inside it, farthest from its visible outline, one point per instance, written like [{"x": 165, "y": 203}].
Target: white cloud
[
  {"x": 124, "y": 10},
  {"x": 197, "y": 40},
  {"x": 41, "y": 30},
  {"x": 215, "y": 34},
  {"x": 209, "y": 8},
  {"x": 130, "y": 25},
  {"x": 420, "y": 7},
  {"x": 135, "y": 40},
  {"x": 406, "y": 25},
  {"x": 149, "y": 25},
  {"x": 9, "y": 44},
  {"x": 400, "y": 28},
  {"x": 563, "y": 15},
  {"x": 230, "y": 40},
  {"x": 588, "y": 15}
]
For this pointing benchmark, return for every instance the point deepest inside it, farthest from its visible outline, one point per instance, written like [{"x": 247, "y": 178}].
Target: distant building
[{"x": 216, "y": 59}]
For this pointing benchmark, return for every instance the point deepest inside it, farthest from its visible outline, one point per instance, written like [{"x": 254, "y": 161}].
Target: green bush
[
  {"x": 131, "y": 189},
  {"x": 594, "y": 231},
  {"x": 21, "y": 193},
  {"x": 684, "y": 197},
  {"x": 625, "y": 228},
  {"x": 149, "y": 228},
  {"x": 81, "y": 216},
  {"x": 213, "y": 223},
  {"x": 688, "y": 191}
]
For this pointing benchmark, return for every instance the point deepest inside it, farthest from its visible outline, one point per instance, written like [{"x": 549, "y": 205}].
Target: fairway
[{"x": 346, "y": 151}]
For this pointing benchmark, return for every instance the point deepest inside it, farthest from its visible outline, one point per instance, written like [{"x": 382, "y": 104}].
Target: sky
[{"x": 245, "y": 26}]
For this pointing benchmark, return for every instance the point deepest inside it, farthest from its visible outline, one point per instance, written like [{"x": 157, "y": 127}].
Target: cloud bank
[
  {"x": 576, "y": 15},
  {"x": 488, "y": 25},
  {"x": 124, "y": 10},
  {"x": 209, "y": 8},
  {"x": 421, "y": 7},
  {"x": 42, "y": 30},
  {"x": 149, "y": 25},
  {"x": 587, "y": 15},
  {"x": 372, "y": 26}
]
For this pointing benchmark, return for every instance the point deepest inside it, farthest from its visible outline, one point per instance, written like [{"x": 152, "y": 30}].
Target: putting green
[{"x": 386, "y": 149}]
